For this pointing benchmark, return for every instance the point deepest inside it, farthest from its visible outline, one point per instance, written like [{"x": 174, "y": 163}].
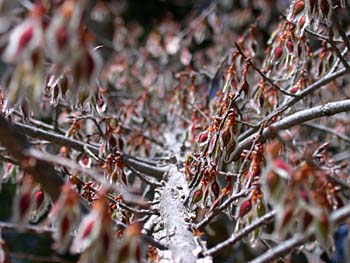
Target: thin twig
[
  {"x": 238, "y": 236},
  {"x": 328, "y": 130},
  {"x": 222, "y": 207},
  {"x": 311, "y": 88},
  {"x": 65, "y": 162},
  {"x": 288, "y": 245},
  {"x": 144, "y": 178},
  {"x": 263, "y": 75},
  {"x": 82, "y": 147},
  {"x": 295, "y": 119},
  {"x": 341, "y": 31},
  {"x": 336, "y": 49}
]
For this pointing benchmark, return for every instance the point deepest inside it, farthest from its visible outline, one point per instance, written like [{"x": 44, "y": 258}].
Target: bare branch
[
  {"x": 295, "y": 119},
  {"x": 222, "y": 207},
  {"x": 238, "y": 236},
  {"x": 311, "y": 88},
  {"x": 82, "y": 147},
  {"x": 287, "y": 246},
  {"x": 328, "y": 130},
  {"x": 18, "y": 146},
  {"x": 341, "y": 31}
]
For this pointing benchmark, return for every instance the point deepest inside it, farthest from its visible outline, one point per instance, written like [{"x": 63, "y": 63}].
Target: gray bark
[{"x": 177, "y": 219}]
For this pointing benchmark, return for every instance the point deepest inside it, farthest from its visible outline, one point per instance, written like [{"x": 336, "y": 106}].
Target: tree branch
[
  {"x": 295, "y": 119},
  {"x": 287, "y": 246},
  {"x": 82, "y": 147},
  {"x": 175, "y": 216},
  {"x": 18, "y": 146},
  {"x": 238, "y": 236},
  {"x": 311, "y": 88}
]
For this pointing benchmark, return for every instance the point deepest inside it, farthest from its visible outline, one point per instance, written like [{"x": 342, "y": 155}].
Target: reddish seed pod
[
  {"x": 226, "y": 137},
  {"x": 24, "y": 205},
  {"x": 203, "y": 137},
  {"x": 197, "y": 196},
  {"x": 245, "y": 87},
  {"x": 39, "y": 198},
  {"x": 288, "y": 214},
  {"x": 290, "y": 46},
  {"x": 112, "y": 142},
  {"x": 294, "y": 89},
  {"x": 307, "y": 219},
  {"x": 215, "y": 188},
  {"x": 301, "y": 21},
  {"x": 62, "y": 37},
  {"x": 298, "y": 7},
  {"x": 278, "y": 52},
  {"x": 88, "y": 229},
  {"x": 280, "y": 164},
  {"x": 65, "y": 225},
  {"x": 245, "y": 207},
  {"x": 324, "y": 7},
  {"x": 25, "y": 38}
]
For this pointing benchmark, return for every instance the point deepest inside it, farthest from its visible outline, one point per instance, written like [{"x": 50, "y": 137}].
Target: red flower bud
[
  {"x": 39, "y": 198},
  {"x": 278, "y": 52},
  {"x": 294, "y": 89},
  {"x": 301, "y": 21},
  {"x": 88, "y": 228},
  {"x": 203, "y": 137},
  {"x": 245, "y": 208},
  {"x": 25, "y": 38},
  {"x": 25, "y": 204},
  {"x": 61, "y": 37},
  {"x": 298, "y": 7},
  {"x": 215, "y": 188},
  {"x": 64, "y": 227},
  {"x": 290, "y": 46}
]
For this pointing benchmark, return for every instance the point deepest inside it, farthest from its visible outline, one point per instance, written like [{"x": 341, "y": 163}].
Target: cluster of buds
[
  {"x": 312, "y": 12},
  {"x": 227, "y": 138},
  {"x": 31, "y": 203},
  {"x": 231, "y": 78},
  {"x": 219, "y": 139},
  {"x": 209, "y": 189},
  {"x": 252, "y": 206},
  {"x": 95, "y": 234},
  {"x": 266, "y": 97},
  {"x": 289, "y": 52},
  {"x": 65, "y": 216},
  {"x": 303, "y": 197},
  {"x": 300, "y": 84},
  {"x": 114, "y": 168},
  {"x": 326, "y": 59},
  {"x": 75, "y": 64},
  {"x": 113, "y": 141},
  {"x": 129, "y": 248}
]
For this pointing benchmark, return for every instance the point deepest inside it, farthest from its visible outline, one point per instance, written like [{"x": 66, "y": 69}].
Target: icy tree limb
[
  {"x": 287, "y": 246},
  {"x": 177, "y": 220},
  {"x": 62, "y": 140},
  {"x": 18, "y": 146},
  {"x": 297, "y": 118}
]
